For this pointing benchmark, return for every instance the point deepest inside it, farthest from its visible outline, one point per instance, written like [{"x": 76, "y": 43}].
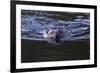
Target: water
[
  {"x": 75, "y": 25},
  {"x": 32, "y": 26}
]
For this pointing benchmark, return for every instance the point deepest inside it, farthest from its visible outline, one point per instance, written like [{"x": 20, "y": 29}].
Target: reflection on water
[{"x": 34, "y": 23}]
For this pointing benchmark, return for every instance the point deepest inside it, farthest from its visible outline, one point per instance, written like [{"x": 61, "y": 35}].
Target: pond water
[{"x": 77, "y": 25}]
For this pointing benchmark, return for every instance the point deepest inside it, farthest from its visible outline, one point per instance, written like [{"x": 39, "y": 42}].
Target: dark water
[{"x": 36, "y": 51}]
